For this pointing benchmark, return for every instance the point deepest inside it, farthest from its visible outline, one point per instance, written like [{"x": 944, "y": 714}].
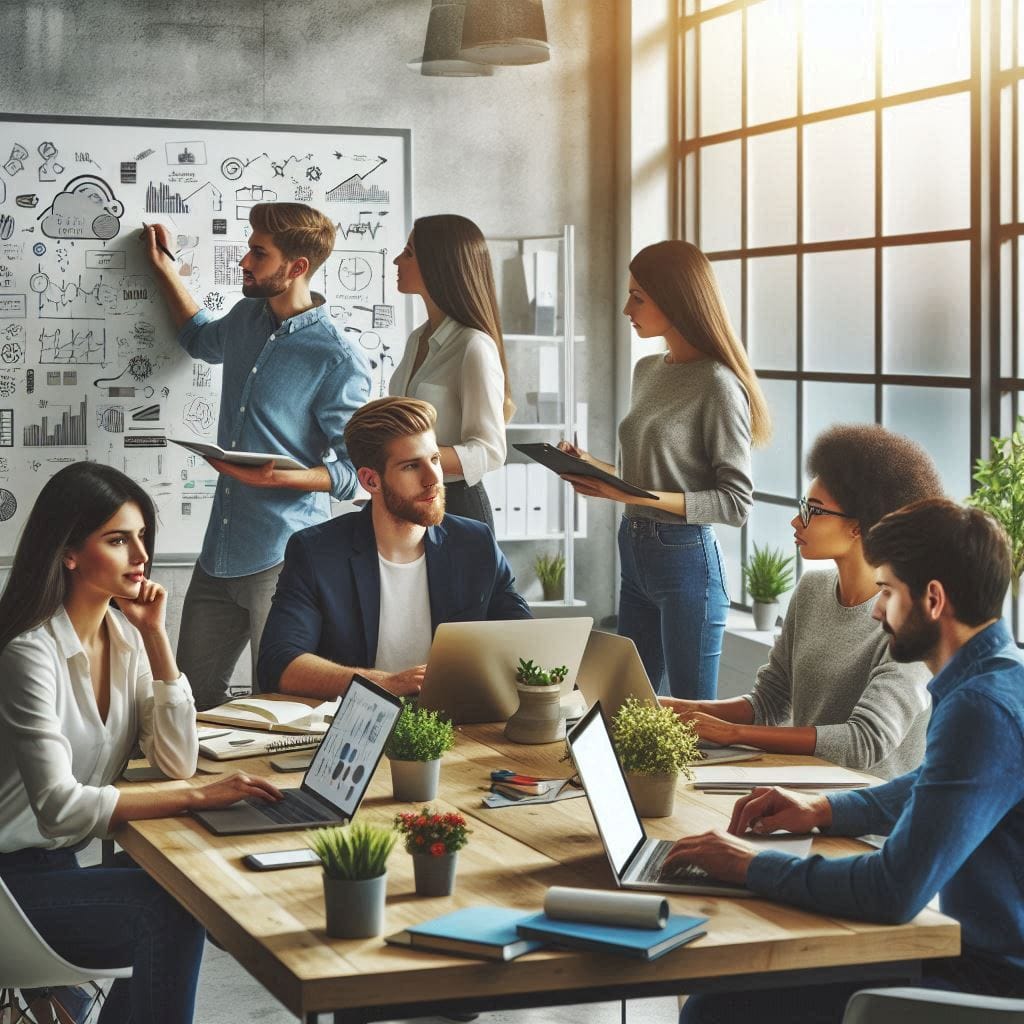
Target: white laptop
[
  {"x": 636, "y": 861},
  {"x": 471, "y": 669},
  {"x": 337, "y": 777}
]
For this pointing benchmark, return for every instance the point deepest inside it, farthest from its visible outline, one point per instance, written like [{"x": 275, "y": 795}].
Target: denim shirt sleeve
[
  {"x": 972, "y": 775},
  {"x": 343, "y": 391},
  {"x": 204, "y": 338}
]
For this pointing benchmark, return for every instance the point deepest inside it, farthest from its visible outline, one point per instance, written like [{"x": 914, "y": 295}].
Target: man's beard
[
  {"x": 412, "y": 511},
  {"x": 915, "y": 639},
  {"x": 268, "y": 287}
]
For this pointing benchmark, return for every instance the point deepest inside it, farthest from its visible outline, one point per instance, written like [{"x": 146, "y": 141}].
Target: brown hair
[
  {"x": 965, "y": 549},
  {"x": 297, "y": 230},
  {"x": 679, "y": 279},
  {"x": 377, "y": 423},
  {"x": 456, "y": 270}
]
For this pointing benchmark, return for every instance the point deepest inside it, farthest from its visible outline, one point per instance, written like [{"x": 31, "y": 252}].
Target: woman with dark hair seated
[
  {"x": 830, "y": 687},
  {"x": 86, "y": 673}
]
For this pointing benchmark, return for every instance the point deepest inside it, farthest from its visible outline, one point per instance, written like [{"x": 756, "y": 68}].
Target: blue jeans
[
  {"x": 113, "y": 917},
  {"x": 673, "y": 603}
]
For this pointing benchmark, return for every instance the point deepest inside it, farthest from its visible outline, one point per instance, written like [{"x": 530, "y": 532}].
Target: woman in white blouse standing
[
  {"x": 456, "y": 360},
  {"x": 81, "y": 682}
]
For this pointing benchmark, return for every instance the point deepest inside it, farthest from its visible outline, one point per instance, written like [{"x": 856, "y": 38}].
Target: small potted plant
[
  {"x": 419, "y": 739},
  {"x": 653, "y": 746},
  {"x": 768, "y": 574},
  {"x": 539, "y": 716},
  {"x": 550, "y": 571},
  {"x": 434, "y": 839},
  {"x": 355, "y": 877}
]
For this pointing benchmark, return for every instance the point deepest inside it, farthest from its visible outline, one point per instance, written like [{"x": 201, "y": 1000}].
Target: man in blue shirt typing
[
  {"x": 290, "y": 383},
  {"x": 955, "y": 825}
]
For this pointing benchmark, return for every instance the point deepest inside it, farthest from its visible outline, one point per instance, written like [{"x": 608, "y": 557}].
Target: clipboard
[{"x": 562, "y": 462}]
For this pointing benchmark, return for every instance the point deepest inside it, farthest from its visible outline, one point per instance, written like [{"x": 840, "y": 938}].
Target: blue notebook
[
  {"x": 645, "y": 943},
  {"x": 485, "y": 932}
]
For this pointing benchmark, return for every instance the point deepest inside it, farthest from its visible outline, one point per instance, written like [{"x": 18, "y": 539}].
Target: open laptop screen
[
  {"x": 345, "y": 761},
  {"x": 605, "y": 785}
]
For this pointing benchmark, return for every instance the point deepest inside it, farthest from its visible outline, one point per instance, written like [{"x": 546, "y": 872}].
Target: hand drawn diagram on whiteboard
[{"x": 90, "y": 367}]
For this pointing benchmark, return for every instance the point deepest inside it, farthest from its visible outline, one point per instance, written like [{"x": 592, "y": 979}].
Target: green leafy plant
[
  {"x": 768, "y": 573},
  {"x": 550, "y": 571},
  {"x": 432, "y": 832},
  {"x": 533, "y": 675},
  {"x": 353, "y": 852},
  {"x": 1000, "y": 492},
  {"x": 652, "y": 740},
  {"x": 420, "y": 735}
]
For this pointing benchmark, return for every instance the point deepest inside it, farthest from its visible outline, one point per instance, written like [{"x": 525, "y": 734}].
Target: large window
[{"x": 830, "y": 165}]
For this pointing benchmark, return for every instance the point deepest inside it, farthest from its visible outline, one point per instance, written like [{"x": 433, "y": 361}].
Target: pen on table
[
  {"x": 239, "y": 743},
  {"x": 167, "y": 252}
]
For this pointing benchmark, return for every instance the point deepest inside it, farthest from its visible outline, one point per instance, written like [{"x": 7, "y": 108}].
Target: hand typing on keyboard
[
  {"x": 718, "y": 854},
  {"x": 681, "y": 871}
]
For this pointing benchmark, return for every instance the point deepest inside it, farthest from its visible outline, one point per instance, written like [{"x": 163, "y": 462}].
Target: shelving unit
[{"x": 534, "y": 294}]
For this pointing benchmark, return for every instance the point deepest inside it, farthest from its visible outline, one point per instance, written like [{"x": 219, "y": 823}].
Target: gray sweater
[
  {"x": 688, "y": 429},
  {"x": 831, "y": 668}
]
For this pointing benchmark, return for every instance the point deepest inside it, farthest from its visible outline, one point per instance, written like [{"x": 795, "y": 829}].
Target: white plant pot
[
  {"x": 415, "y": 781},
  {"x": 765, "y": 615},
  {"x": 653, "y": 795}
]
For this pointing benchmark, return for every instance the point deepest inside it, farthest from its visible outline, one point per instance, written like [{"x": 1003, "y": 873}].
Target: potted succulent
[
  {"x": 354, "y": 858},
  {"x": 434, "y": 839},
  {"x": 653, "y": 746},
  {"x": 1000, "y": 492},
  {"x": 419, "y": 739},
  {"x": 768, "y": 574},
  {"x": 539, "y": 716},
  {"x": 550, "y": 571}
]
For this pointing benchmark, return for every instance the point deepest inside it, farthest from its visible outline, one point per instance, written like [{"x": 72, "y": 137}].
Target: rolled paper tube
[{"x": 598, "y": 906}]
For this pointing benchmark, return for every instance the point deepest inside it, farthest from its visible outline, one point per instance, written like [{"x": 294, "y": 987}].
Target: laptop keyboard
[
  {"x": 293, "y": 809},
  {"x": 654, "y": 870}
]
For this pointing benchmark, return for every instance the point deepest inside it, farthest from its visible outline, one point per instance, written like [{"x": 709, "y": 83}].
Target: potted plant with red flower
[{"x": 434, "y": 839}]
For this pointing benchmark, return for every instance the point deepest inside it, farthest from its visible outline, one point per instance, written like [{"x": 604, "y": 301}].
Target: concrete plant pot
[
  {"x": 539, "y": 716},
  {"x": 415, "y": 781},
  {"x": 765, "y": 615},
  {"x": 434, "y": 876},
  {"x": 355, "y": 906},
  {"x": 653, "y": 795}
]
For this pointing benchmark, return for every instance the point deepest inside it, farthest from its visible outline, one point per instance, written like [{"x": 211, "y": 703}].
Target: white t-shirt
[{"x": 403, "y": 639}]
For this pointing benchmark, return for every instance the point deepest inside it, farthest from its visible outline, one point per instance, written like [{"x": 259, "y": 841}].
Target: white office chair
[
  {"x": 27, "y": 961},
  {"x": 928, "y": 1006}
]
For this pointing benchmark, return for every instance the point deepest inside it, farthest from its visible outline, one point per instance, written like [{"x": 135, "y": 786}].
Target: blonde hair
[
  {"x": 456, "y": 270},
  {"x": 376, "y": 424},
  {"x": 297, "y": 230},
  {"x": 679, "y": 279}
]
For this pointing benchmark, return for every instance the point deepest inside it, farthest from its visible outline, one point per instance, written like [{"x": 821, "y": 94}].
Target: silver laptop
[
  {"x": 471, "y": 669},
  {"x": 636, "y": 861},
  {"x": 612, "y": 671},
  {"x": 337, "y": 777}
]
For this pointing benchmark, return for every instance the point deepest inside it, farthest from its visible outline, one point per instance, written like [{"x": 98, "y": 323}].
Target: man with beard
[
  {"x": 955, "y": 825},
  {"x": 365, "y": 592},
  {"x": 290, "y": 383}
]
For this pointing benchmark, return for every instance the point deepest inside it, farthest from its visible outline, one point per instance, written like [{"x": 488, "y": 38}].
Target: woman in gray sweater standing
[{"x": 694, "y": 412}]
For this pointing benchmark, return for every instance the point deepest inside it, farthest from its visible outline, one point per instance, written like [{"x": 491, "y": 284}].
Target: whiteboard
[{"x": 89, "y": 363}]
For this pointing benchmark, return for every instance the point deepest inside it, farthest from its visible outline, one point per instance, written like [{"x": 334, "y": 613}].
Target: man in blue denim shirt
[
  {"x": 955, "y": 825},
  {"x": 290, "y": 383}
]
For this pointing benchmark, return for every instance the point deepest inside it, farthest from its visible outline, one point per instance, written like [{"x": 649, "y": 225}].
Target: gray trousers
[{"x": 219, "y": 617}]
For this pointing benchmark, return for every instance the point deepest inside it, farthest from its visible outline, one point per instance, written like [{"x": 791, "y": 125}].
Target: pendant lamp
[
  {"x": 441, "y": 57},
  {"x": 505, "y": 32}
]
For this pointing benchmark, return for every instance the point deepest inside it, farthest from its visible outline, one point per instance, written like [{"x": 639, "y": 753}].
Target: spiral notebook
[{"x": 228, "y": 744}]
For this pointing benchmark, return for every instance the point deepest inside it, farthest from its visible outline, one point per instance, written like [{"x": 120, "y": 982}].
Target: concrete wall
[{"x": 523, "y": 152}]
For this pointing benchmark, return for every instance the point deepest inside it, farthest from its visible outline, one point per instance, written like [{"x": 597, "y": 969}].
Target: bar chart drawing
[
  {"x": 6, "y": 428},
  {"x": 160, "y": 199},
  {"x": 51, "y": 432}
]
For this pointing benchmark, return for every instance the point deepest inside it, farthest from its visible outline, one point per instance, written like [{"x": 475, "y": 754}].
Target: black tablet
[{"x": 563, "y": 463}]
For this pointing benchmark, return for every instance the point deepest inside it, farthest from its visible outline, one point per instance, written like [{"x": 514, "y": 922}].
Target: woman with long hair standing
[
  {"x": 695, "y": 411},
  {"x": 456, "y": 360},
  {"x": 82, "y": 681}
]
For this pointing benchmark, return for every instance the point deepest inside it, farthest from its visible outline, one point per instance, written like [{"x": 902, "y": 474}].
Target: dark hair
[
  {"x": 374, "y": 425},
  {"x": 965, "y": 549},
  {"x": 72, "y": 504},
  {"x": 871, "y": 471}
]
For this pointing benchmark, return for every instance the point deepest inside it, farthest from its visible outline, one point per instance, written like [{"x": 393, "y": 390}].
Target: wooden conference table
[{"x": 273, "y": 922}]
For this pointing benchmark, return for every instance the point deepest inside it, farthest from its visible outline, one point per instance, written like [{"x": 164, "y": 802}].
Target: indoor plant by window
[
  {"x": 415, "y": 748},
  {"x": 550, "y": 570},
  {"x": 538, "y": 718},
  {"x": 768, "y": 574},
  {"x": 653, "y": 747},
  {"x": 434, "y": 839},
  {"x": 354, "y": 858}
]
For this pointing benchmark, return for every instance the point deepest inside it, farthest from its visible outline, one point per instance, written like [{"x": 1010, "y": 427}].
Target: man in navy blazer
[{"x": 365, "y": 592}]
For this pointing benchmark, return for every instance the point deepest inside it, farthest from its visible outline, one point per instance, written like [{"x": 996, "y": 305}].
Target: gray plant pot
[
  {"x": 415, "y": 781},
  {"x": 435, "y": 876},
  {"x": 355, "y": 907},
  {"x": 765, "y": 615},
  {"x": 654, "y": 795},
  {"x": 539, "y": 716}
]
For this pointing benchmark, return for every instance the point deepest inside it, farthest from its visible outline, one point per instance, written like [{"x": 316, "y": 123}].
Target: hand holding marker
[{"x": 159, "y": 244}]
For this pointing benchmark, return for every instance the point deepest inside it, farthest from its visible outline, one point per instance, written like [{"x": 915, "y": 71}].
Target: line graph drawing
[
  {"x": 352, "y": 189},
  {"x": 78, "y": 300},
  {"x": 65, "y": 345},
  {"x": 364, "y": 226},
  {"x": 278, "y": 166}
]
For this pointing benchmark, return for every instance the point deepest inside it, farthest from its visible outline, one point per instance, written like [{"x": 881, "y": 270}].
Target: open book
[
  {"x": 272, "y": 715},
  {"x": 214, "y": 451}
]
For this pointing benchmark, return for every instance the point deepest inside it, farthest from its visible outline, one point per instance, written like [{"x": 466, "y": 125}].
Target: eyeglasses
[{"x": 807, "y": 511}]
